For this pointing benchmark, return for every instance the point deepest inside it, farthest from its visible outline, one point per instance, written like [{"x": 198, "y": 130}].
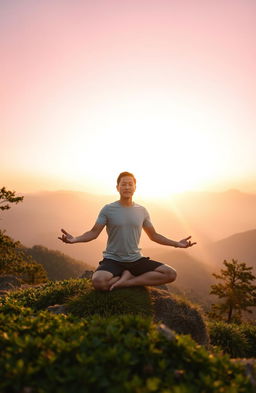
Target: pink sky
[{"x": 78, "y": 77}]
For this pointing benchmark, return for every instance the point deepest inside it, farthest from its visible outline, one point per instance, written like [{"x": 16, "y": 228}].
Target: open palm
[
  {"x": 185, "y": 243},
  {"x": 66, "y": 237}
]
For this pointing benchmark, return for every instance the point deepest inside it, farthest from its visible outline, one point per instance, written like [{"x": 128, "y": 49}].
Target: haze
[{"x": 163, "y": 89}]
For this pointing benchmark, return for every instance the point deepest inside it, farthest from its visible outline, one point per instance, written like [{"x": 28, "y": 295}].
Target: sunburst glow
[{"x": 164, "y": 91}]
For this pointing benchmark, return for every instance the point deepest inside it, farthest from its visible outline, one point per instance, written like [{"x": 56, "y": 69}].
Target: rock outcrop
[
  {"x": 9, "y": 282},
  {"x": 174, "y": 312}
]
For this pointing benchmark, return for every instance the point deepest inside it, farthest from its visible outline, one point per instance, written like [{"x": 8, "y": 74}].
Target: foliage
[
  {"x": 229, "y": 337},
  {"x": 13, "y": 260},
  {"x": 58, "y": 265},
  {"x": 127, "y": 354},
  {"x": 236, "y": 289},
  {"x": 50, "y": 293},
  {"x": 82, "y": 300},
  {"x": 8, "y": 196},
  {"x": 236, "y": 340}
]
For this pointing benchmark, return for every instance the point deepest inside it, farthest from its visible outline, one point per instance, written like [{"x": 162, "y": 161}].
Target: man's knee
[
  {"x": 171, "y": 274},
  {"x": 100, "y": 282},
  {"x": 168, "y": 272}
]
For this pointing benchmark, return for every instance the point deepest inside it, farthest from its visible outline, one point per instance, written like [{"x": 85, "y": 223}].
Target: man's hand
[
  {"x": 185, "y": 243},
  {"x": 66, "y": 237}
]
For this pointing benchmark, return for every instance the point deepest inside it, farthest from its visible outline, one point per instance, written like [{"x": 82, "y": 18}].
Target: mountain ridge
[{"x": 208, "y": 217}]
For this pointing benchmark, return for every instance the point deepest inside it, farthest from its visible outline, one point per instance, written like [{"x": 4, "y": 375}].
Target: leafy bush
[
  {"x": 51, "y": 293},
  {"x": 14, "y": 261},
  {"x": 46, "y": 353},
  {"x": 236, "y": 340},
  {"x": 82, "y": 300},
  {"x": 250, "y": 333}
]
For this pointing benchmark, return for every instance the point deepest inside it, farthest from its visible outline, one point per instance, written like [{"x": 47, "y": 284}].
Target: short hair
[{"x": 123, "y": 174}]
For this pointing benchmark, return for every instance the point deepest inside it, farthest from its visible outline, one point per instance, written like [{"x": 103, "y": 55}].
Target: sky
[{"x": 164, "y": 89}]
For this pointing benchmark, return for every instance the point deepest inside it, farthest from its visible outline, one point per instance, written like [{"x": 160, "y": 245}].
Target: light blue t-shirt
[{"x": 123, "y": 226}]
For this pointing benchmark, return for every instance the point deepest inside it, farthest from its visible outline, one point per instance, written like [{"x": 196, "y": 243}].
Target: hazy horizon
[
  {"x": 166, "y": 90},
  {"x": 207, "y": 217},
  {"x": 137, "y": 194}
]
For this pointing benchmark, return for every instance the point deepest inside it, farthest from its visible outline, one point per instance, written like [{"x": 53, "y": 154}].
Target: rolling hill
[
  {"x": 223, "y": 224},
  {"x": 209, "y": 217},
  {"x": 239, "y": 246}
]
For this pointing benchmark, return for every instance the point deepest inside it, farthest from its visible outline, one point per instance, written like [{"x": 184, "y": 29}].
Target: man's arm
[
  {"x": 156, "y": 237},
  {"x": 86, "y": 237}
]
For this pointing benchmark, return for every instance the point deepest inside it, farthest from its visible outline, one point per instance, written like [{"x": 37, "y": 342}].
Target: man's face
[{"x": 126, "y": 187}]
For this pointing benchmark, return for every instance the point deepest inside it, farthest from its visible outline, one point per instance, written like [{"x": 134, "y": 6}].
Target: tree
[
  {"x": 8, "y": 196},
  {"x": 13, "y": 258},
  {"x": 236, "y": 289}
]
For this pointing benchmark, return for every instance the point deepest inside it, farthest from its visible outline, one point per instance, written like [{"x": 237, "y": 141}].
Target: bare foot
[{"x": 124, "y": 277}]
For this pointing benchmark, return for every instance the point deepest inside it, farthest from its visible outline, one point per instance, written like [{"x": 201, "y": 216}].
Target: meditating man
[{"x": 123, "y": 264}]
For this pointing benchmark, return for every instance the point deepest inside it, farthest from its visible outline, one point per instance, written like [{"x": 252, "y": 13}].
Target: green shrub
[
  {"x": 47, "y": 353},
  {"x": 51, "y": 293},
  {"x": 236, "y": 340},
  {"x": 250, "y": 333},
  {"x": 82, "y": 300}
]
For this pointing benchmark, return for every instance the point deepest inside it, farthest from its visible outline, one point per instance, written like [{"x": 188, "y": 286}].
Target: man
[{"x": 123, "y": 265}]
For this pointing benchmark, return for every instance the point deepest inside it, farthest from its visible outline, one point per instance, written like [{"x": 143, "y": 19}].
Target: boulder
[
  {"x": 179, "y": 314},
  {"x": 9, "y": 282},
  {"x": 87, "y": 274},
  {"x": 57, "y": 309},
  {"x": 174, "y": 312}
]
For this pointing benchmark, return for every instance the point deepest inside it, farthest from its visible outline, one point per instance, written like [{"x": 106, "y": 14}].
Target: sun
[{"x": 169, "y": 150}]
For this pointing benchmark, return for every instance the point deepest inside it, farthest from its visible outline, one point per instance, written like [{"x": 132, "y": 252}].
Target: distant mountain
[
  {"x": 57, "y": 265},
  {"x": 216, "y": 215},
  {"x": 194, "y": 274},
  {"x": 39, "y": 218},
  {"x": 240, "y": 246},
  {"x": 194, "y": 277},
  {"x": 206, "y": 216}
]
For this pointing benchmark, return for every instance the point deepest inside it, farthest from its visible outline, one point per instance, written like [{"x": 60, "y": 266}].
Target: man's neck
[{"x": 126, "y": 202}]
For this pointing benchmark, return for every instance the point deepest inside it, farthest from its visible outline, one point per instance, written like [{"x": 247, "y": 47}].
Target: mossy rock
[
  {"x": 177, "y": 313},
  {"x": 78, "y": 297},
  {"x": 9, "y": 282}
]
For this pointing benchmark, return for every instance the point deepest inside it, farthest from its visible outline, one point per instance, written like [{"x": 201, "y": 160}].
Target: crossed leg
[
  {"x": 104, "y": 280},
  {"x": 161, "y": 275}
]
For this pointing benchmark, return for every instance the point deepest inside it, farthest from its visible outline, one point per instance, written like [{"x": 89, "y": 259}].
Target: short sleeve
[
  {"x": 147, "y": 221},
  {"x": 102, "y": 217}
]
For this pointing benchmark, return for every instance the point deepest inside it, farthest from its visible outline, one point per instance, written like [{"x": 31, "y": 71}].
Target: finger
[
  {"x": 63, "y": 230},
  {"x": 191, "y": 244},
  {"x": 189, "y": 237}
]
